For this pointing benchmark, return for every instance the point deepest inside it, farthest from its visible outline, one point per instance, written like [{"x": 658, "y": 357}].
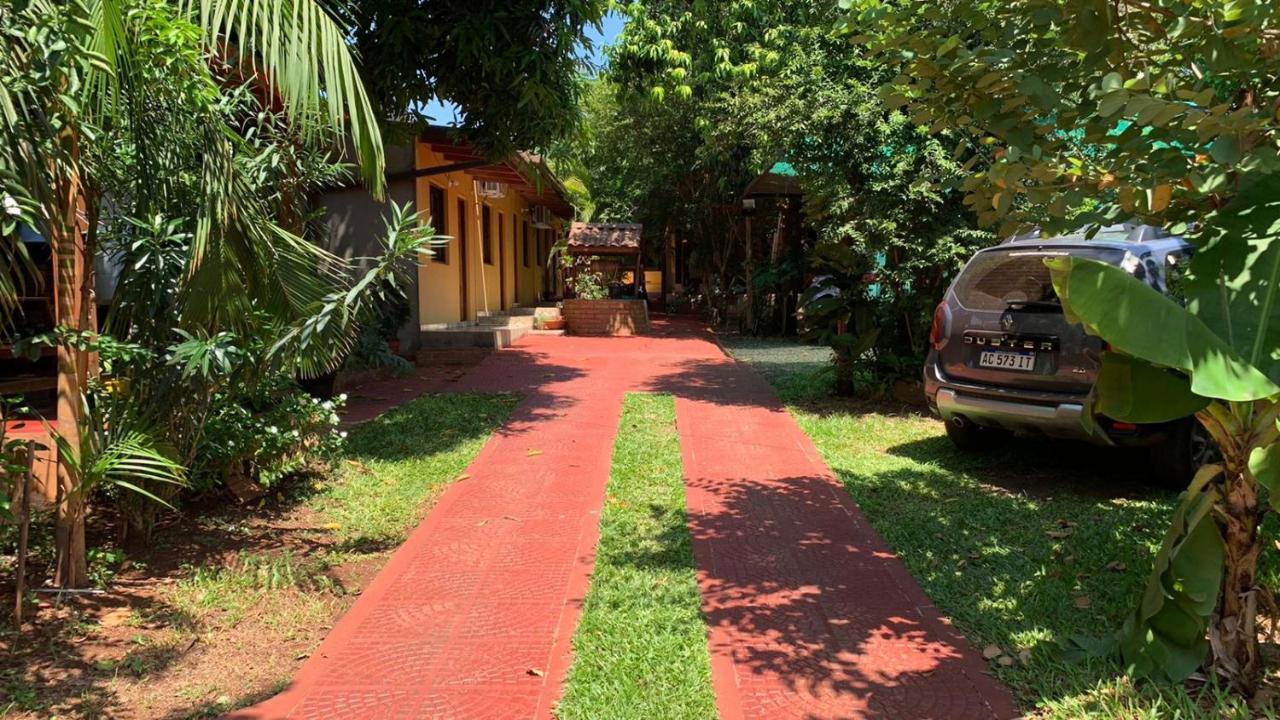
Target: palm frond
[{"x": 302, "y": 53}]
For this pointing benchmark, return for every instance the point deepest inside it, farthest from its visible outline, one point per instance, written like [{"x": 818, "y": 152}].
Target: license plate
[{"x": 1022, "y": 362}]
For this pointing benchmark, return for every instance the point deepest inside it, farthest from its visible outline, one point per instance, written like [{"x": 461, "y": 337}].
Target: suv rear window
[{"x": 994, "y": 279}]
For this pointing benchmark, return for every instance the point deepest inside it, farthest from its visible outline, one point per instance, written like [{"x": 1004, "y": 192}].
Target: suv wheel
[
  {"x": 968, "y": 436},
  {"x": 1182, "y": 451}
]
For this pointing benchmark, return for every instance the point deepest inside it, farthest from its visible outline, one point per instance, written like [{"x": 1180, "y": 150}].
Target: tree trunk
[
  {"x": 1233, "y": 630},
  {"x": 70, "y": 263}
]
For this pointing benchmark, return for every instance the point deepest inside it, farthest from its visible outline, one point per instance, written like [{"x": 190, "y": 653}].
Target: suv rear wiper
[{"x": 1034, "y": 304}]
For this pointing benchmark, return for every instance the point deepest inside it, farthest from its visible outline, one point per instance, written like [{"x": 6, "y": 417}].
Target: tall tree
[
  {"x": 511, "y": 66},
  {"x": 1085, "y": 113}
]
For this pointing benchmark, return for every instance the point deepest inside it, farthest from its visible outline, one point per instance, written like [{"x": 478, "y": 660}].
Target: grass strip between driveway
[{"x": 641, "y": 647}]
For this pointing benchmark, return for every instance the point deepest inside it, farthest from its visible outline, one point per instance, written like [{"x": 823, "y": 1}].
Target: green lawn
[
  {"x": 641, "y": 648},
  {"x": 404, "y": 458},
  {"x": 1021, "y": 547}
]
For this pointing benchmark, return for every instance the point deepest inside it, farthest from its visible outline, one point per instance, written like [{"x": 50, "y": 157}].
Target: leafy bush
[
  {"x": 13, "y": 465},
  {"x": 838, "y": 312},
  {"x": 276, "y": 432},
  {"x": 586, "y": 282},
  {"x": 372, "y": 353}
]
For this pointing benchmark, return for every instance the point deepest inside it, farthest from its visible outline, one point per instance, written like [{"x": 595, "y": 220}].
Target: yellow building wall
[{"x": 489, "y": 286}]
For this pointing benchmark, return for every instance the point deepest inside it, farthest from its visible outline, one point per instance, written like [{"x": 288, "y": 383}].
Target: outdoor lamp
[{"x": 748, "y": 206}]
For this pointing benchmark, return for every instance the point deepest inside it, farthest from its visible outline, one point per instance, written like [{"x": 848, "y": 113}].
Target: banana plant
[{"x": 1217, "y": 356}]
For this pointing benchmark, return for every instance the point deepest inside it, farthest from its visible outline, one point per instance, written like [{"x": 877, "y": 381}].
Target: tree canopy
[{"x": 511, "y": 66}]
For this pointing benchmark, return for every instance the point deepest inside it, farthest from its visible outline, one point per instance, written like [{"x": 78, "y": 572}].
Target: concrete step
[
  {"x": 521, "y": 311},
  {"x": 492, "y": 319},
  {"x": 504, "y": 321},
  {"x": 475, "y": 336},
  {"x": 552, "y": 333}
]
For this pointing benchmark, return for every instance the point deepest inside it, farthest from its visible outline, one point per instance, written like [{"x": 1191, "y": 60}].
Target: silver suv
[{"x": 1003, "y": 358}]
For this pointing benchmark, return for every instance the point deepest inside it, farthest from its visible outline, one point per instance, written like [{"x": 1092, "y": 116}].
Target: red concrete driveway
[{"x": 809, "y": 614}]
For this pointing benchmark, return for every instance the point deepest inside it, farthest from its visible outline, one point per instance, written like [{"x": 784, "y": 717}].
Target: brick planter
[{"x": 606, "y": 317}]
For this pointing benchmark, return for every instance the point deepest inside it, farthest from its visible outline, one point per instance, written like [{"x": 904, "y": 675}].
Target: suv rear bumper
[{"x": 1054, "y": 414}]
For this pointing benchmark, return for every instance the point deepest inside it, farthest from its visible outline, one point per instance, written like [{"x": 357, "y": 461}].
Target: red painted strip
[{"x": 810, "y": 614}]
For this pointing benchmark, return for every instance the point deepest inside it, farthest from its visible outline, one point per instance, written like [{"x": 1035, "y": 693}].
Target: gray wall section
[{"x": 356, "y": 225}]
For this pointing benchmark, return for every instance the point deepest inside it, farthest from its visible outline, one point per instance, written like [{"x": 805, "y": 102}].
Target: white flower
[
  {"x": 342, "y": 397},
  {"x": 343, "y": 434},
  {"x": 11, "y": 207}
]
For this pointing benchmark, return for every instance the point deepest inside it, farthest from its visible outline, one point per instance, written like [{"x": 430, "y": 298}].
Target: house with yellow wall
[{"x": 501, "y": 220}]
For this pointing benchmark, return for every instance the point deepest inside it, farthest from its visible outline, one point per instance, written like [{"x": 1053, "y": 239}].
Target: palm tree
[{"x": 66, "y": 69}]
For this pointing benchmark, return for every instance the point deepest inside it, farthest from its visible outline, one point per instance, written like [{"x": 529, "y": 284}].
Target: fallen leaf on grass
[
  {"x": 1116, "y": 566},
  {"x": 1082, "y": 601},
  {"x": 1061, "y": 534}
]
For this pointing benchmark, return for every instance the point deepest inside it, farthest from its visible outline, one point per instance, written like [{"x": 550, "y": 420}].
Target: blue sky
[{"x": 444, "y": 113}]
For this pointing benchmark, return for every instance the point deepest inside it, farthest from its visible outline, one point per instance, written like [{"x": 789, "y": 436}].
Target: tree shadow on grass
[
  {"x": 1022, "y": 547},
  {"x": 811, "y": 604}
]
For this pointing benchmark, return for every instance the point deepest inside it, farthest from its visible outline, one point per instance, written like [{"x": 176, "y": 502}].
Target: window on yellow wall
[
  {"x": 486, "y": 234},
  {"x": 524, "y": 245},
  {"x": 439, "y": 223}
]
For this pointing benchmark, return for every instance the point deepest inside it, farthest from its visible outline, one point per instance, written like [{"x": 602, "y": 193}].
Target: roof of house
[
  {"x": 526, "y": 173},
  {"x": 781, "y": 180},
  {"x": 619, "y": 238}
]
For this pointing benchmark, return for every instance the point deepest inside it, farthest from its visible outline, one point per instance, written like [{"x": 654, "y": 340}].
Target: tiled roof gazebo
[
  {"x": 614, "y": 247},
  {"x": 604, "y": 238}
]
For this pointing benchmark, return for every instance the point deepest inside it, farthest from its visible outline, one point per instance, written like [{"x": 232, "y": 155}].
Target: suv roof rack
[{"x": 1124, "y": 232}]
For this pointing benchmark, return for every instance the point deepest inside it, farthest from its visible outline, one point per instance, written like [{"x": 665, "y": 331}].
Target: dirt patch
[{"x": 219, "y": 613}]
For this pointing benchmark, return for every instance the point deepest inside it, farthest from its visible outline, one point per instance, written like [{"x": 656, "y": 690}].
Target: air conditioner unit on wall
[{"x": 491, "y": 189}]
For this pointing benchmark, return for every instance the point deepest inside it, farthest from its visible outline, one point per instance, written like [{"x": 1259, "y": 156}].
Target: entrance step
[
  {"x": 507, "y": 321},
  {"x": 471, "y": 336}
]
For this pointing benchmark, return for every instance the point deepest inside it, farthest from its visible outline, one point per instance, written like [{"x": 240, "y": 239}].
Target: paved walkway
[{"x": 809, "y": 614}]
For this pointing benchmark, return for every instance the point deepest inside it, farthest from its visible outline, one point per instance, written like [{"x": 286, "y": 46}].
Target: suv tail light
[{"x": 938, "y": 333}]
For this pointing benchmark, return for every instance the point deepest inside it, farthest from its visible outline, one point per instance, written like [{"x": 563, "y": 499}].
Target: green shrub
[{"x": 276, "y": 432}]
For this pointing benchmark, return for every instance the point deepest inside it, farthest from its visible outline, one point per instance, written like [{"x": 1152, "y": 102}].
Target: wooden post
[
  {"x": 24, "y": 525},
  {"x": 481, "y": 238},
  {"x": 70, "y": 261},
  {"x": 749, "y": 312}
]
